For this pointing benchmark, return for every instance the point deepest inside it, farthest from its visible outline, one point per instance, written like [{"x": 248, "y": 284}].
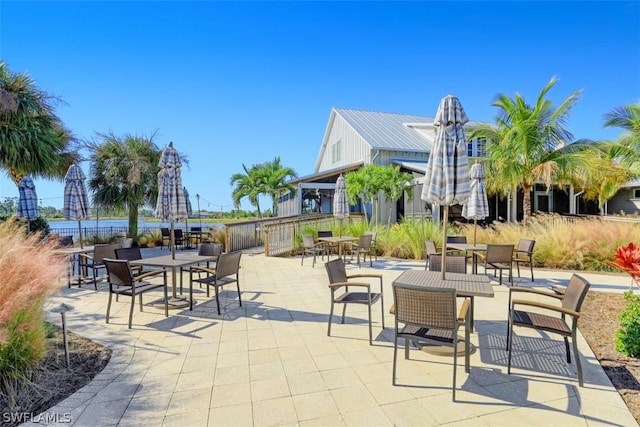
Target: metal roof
[
  {"x": 388, "y": 131},
  {"x": 412, "y": 165}
]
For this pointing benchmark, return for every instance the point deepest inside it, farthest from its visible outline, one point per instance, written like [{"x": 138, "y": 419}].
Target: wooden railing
[{"x": 280, "y": 235}]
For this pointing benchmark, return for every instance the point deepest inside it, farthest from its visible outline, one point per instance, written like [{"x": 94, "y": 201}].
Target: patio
[{"x": 270, "y": 362}]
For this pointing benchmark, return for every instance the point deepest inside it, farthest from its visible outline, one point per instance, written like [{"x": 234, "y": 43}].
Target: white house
[{"x": 354, "y": 138}]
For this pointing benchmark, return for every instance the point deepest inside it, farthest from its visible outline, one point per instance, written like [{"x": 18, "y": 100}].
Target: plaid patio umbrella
[
  {"x": 76, "y": 202},
  {"x": 446, "y": 180},
  {"x": 340, "y": 202},
  {"x": 171, "y": 205},
  {"x": 28, "y": 201},
  {"x": 477, "y": 207},
  {"x": 189, "y": 213}
]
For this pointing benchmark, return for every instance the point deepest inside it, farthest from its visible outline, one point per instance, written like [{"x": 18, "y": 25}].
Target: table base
[{"x": 173, "y": 303}]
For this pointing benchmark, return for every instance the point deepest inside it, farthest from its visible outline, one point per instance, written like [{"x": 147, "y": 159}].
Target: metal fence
[{"x": 100, "y": 234}]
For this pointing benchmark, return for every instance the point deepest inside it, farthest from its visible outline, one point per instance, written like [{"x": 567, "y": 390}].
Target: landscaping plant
[{"x": 29, "y": 271}]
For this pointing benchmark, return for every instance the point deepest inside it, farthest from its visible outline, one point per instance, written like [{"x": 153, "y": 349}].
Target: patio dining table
[
  {"x": 338, "y": 240},
  {"x": 470, "y": 247},
  {"x": 167, "y": 261}
]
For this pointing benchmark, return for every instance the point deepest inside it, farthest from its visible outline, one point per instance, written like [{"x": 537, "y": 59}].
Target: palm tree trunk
[
  {"x": 133, "y": 221},
  {"x": 15, "y": 176},
  {"x": 526, "y": 204}
]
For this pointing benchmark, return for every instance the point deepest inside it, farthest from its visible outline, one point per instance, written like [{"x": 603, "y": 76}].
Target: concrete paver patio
[{"x": 270, "y": 362}]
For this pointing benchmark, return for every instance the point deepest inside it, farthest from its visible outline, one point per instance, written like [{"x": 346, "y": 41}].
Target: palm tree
[
  {"x": 33, "y": 140},
  {"x": 248, "y": 184},
  {"x": 394, "y": 184},
  {"x": 275, "y": 179},
  {"x": 626, "y": 149},
  {"x": 528, "y": 144},
  {"x": 124, "y": 174}
]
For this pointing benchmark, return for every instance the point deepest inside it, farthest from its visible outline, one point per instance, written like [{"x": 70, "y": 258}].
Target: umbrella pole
[
  {"x": 445, "y": 219},
  {"x": 80, "y": 233},
  {"x": 199, "y": 214},
  {"x": 475, "y": 224},
  {"x": 173, "y": 242}
]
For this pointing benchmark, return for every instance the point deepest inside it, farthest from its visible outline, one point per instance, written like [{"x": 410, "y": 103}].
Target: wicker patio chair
[
  {"x": 226, "y": 272},
  {"x": 571, "y": 303},
  {"x": 310, "y": 247},
  {"x": 499, "y": 257},
  {"x": 165, "y": 239},
  {"x": 363, "y": 247},
  {"x": 95, "y": 261},
  {"x": 339, "y": 279},
  {"x": 122, "y": 281},
  {"x": 523, "y": 254},
  {"x": 430, "y": 315}
]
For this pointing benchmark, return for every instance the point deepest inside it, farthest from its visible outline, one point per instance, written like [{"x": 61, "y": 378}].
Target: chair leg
[
  {"x": 166, "y": 300},
  {"x": 217, "y": 298},
  {"x": 395, "y": 357},
  {"x": 509, "y": 344},
  {"x": 330, "y": 317},
  {"x": 577, "y": 356},
  {"x": 455, "y": 363},
  {"x": 140, "y": 299},
  {"x": 238, "y": 286},
  {"x": 518, "y": 267},
  {"x": 109, "y": 304},
  {"x": 133, "y": 302},
  {"x": 566, "y": 348},
  {"x": 370, "y": 327},
  {"x": 531, "y": 267},
  {"x": 344, "y": 312}
]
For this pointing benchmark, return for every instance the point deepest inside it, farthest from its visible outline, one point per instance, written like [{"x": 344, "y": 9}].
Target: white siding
[{"x": 352, "y": 147}]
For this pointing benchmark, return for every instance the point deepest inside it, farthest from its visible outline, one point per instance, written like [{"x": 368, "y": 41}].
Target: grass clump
[{"x": 29, "y": 271}]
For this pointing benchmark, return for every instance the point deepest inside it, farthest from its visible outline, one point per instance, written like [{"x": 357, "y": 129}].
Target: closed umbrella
[
  {"x": 340, "y": 202},
  {"x": 171, "y": 205},
  {"x": 446, "y": 180},
  {"x": 28, "y": 201},
  {"x": 189, "y": 213},
  {"x": 76, "y": 202},
  {"x": 477, "y": 207}
]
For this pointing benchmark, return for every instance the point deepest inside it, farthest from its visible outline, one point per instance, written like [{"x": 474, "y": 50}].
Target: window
[
  {"x": 470, "y": 149},
  {"x": 481, "y": 144},
  {"x": 636, "y": 193},
  {"x": 336, "y": 152}
]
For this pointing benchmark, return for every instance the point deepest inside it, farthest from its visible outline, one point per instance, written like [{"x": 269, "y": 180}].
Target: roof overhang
[{"x": 329, "y": 174}]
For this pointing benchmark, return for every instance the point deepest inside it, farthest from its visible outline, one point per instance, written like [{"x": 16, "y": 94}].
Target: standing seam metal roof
[{"x": 388, "y": 131}]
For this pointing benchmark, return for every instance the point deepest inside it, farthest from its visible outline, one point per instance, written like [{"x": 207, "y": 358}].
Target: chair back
[
  {"x": 364, "y": 242},
  {"x": 373, "y": 235},
  {"x": 525, "y": 245},
  {"x": 65, "y": 241},
  {"x": 499, "y": 254},
  {"x": 228, "y": 264},
  {"x": 454, "y": 263},
  {"x": 424, "y": 306},
  {"x": 308, "y": 241},
  {"x": 196, "y": 229},
  {"x": 100, "y": 252},
  {"x": 430, "y": 247},
  {"x": 165, "y": 232},
  {"x": 336, "y": 271},
  {"x": 177, "y": 233},
  {"x": 119, "y": 272},
  {"x": 456, "y": 239},
  {"x": 210, "y": 249},
  {"x": 130, "y": 254},
  {"x": 325, "y": 233},
  {"x": 575, "y": 293}
]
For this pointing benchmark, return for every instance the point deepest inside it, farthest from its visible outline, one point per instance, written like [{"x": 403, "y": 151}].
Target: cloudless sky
[{"x": 234, "y": 83}]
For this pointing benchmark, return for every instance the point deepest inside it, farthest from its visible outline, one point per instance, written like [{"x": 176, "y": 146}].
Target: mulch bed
[
  {"x": 598, "y": 324},
  {"x": 52, "y": 382}
]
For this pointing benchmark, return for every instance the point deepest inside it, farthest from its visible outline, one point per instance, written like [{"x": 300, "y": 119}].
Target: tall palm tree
[
  {"x": 124, "y": 174},
  {"x": 33, "y": 140},
  {"x": 626, "y": 148},
  {"x": 275, "y": 178},
  {"x": 528, "y": 144},
  {"x": 248, "y": 184},
  {"x": 394, "y": 185}
]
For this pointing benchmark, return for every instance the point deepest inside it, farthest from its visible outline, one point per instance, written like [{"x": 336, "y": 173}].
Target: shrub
[
  {"x": 29, "y": 271},
  {"x": 628, "y": 336}
]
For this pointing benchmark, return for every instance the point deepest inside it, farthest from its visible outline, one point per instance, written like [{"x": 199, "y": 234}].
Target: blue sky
[{"x": 242, "y": 82}]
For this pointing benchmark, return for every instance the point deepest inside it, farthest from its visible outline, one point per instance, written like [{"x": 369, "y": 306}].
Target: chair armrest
[
  {"x": 464, "y": 311},
  {"x": 361, "y": 275},
  {"x": 87, "y": 256},
  {"x": 544, "y": 306},
  {"x": 149, "y": 274},
  {"x": 337, "y": 285},
  {"x": 534, "y": 291},
  {"x": 203, "y": 269}
]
